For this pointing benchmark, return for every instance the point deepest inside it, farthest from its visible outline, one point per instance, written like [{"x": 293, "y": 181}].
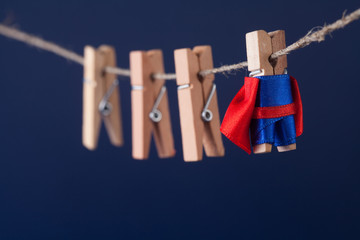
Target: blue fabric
[{"x": 273, "y": 91}]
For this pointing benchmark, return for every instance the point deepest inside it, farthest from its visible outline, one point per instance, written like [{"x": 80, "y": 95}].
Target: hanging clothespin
[
  {"x": 259, "y": 46},
  {"x": 198, "y": 106},
  {"x": 149, "y": 106},
  {"x": 100, "y": 97}
]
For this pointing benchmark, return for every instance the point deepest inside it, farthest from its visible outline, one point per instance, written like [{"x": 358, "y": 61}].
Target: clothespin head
[
  {"x": 100, "y": 97},
  {"x": 259, "y": 47},
  {"x": 149, "y": 106},
  {"x": 199, "y": 114}
]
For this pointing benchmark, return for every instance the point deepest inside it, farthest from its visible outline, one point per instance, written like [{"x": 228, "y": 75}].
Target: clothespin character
[
  {"x": 269, "y": 103},
  {"x": 100, "y": 97},
  {"x": 149, "y": 106},
  {"x": 199, "y": 113}
]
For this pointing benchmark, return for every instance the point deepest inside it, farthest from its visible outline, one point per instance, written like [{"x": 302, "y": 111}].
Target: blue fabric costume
[
  {"x": 270, "y": 106},
  {"x": 274, "y": 90}
]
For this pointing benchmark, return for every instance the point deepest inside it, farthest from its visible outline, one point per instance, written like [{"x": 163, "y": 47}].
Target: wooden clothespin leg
[
  {"x": 149, "y": 106},
  {"x": 259, "y": 46},
  {"x": 199, "y": 113},
  {"x": 100, "y": 97}
]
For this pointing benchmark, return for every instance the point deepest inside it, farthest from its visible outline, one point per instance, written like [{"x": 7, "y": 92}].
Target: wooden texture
[
  {"x": 96, "y": 83},
  {"x": 143, "y": 65},
  {"x": 191, "y": 102},
  {"x": 92, "y": 89},
  {"x": 262, "y": 148},
  {"x": 259, "y": 49},
  {"x": 259, "y": 46},
  {"x": 287, "y": 148},
  {"x": 212, "y": 139},
  {"x": 113, "y": 122},
  {"x": 279, "y": 43},
  {"x": 196, "y": 133}
]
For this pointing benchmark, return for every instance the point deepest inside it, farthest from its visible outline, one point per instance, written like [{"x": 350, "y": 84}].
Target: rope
[{"x": 310, "y": 37}]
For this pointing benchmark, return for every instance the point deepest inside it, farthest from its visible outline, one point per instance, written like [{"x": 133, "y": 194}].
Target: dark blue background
[{"x": 51, "y": 187}]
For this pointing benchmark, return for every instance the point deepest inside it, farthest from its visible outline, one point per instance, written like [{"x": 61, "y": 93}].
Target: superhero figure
[{"x": 270, "y": 107}]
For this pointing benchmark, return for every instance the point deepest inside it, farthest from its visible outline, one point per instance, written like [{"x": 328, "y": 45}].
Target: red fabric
[
  {"x": 274, "y": 112},
  {"x": 236, "y": 123},
  {"x": 299, "y": 125}
]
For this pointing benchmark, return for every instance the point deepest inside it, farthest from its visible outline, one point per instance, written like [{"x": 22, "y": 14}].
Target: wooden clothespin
[
  {"x": 100, "y": 97},
  {"x": 149, "y": 106},
  {"x": 199, "y": 113},
  {"x": 259, "y": 46}
]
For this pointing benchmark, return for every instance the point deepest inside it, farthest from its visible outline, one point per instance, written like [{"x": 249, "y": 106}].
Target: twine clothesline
[{"x": 310, "y": 37}]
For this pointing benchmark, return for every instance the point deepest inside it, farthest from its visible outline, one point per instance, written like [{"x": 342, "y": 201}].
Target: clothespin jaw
[
  {"x": 96, "y": 87},
  {"x": 199, "y": 114},
  {"x": 212, "y": 139},
  {"x": 149, "y": 106},
  {"x": 259, "y": 46},
  {"x": 278, "y": 43}
]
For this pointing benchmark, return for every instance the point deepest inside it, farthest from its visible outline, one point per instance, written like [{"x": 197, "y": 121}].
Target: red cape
[{"x": 237, "y": 119}]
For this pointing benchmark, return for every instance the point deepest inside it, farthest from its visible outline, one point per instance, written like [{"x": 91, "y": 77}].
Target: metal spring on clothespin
[
  {"x": 155, "y": 115},
  {"x": 206, "y": 114},
  {"x": 256, "y": 72},
  {"x": 105, "y": 106}
]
